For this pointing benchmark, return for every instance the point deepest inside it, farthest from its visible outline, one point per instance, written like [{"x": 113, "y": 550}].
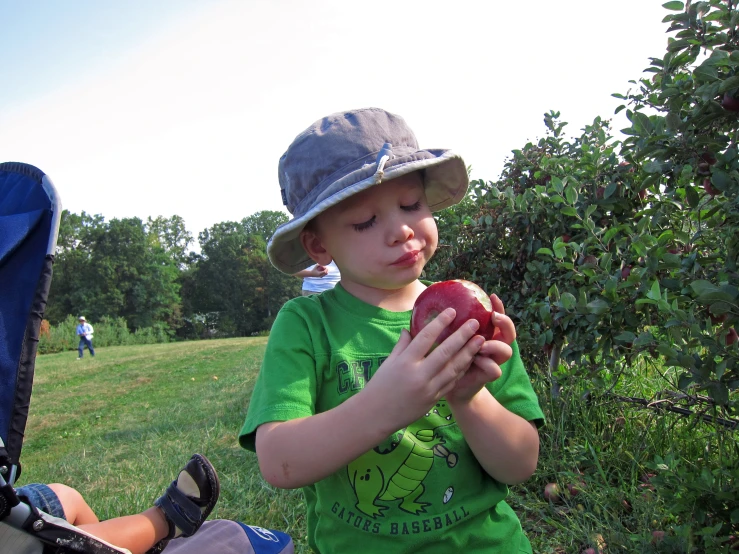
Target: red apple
[
  {"x": 709, "y": 188},
  {"x": 625, "y": 272},
  {"x": 589, "y": 551},
  {"x": 551, "y": 492},
  {"x": 467, "y": 299},
  {"x": 708, "y": 157},
  {"x": 643, "y": 194},
  {"x": 589, "y": 260},
  {"x": 600, "y": 193},
  {"x": 576, "y": 488},
  {"x": 647, "y": 477},
  {"x": 732, "y": 337},
  {"x": 729, "y": 103},
  {"x": 718, "y": 319},
  {"x": 657, "y": 536},
  {"x": 566, "y": 238}
]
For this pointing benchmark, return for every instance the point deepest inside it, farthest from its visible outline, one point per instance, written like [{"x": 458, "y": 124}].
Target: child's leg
[
  {"x": 181, "y": 511},
  {"x": 76, "y": 510},
  {"x": 138, "y": 533}
]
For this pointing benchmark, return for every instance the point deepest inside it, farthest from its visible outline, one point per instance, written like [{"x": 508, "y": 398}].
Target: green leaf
[
  {"x": 568, "y": 301},
  {"x": 674, "y": 6},
  {"x": 654, "y": 292},
  {"x": 676, "y": 45},
  {"x": 556, "y": 182},
  {"x": 721, "y": 179},
  {"x": 706, "y": 73},
  {"x": 702, "y": 287},
  {"x": 692, "y": 196},
  {"x": 598, "y": 306},
  {"x": 571, "y": 195},
  {"x": 673, "y": 121},
  {"x": 626, "y": 336},
  {"x": 569, "y": 210},
  {"x": 612, "y": 232},
  {"x": 729, "y": 84},
  {"x": 545, "y": 251}
]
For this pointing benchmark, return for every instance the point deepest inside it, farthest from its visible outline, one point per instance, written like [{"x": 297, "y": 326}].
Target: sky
[{"x": 142, "y": 108}]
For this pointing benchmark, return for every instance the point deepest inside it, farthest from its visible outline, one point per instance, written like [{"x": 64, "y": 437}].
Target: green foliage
[
  {"x": 122, "y": 268},
  {"x": 611, "y": 252},
  {"x": 704, "y": 506},
  {"x": 142, "y": 273},
  {"x": 615, "y": 258},
  {"x": 234, "y": 281}
]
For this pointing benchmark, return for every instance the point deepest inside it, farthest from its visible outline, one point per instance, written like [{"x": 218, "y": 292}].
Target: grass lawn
[{"x": 120, "y": 426}]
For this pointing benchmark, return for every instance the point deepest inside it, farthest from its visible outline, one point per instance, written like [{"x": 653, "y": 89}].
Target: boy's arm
[
  {"x": 505, "y": 444},
  {"x": 303, "y": 451}
]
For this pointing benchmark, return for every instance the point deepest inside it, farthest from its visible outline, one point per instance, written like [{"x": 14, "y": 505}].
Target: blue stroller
[{"x": 30, "y": 212}]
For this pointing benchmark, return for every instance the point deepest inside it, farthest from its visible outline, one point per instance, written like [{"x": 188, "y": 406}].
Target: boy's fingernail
[
  {"x": 473, "y": 324},
  {"x": 450, "y": 312}
]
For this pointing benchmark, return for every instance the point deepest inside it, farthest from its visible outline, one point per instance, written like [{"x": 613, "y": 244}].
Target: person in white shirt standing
[
  {"x": 84, "y": 332},
  {"x": 319, "y": 278}
]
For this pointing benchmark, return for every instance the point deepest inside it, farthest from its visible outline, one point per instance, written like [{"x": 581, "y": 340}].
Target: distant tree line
[{"x": 144, "y": 273}]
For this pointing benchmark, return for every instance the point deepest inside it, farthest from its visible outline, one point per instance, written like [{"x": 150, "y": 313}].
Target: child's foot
[{"x": 188, "y": 500}]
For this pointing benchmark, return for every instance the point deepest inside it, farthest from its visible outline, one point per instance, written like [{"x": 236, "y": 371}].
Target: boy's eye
[
  {"x": 412, "y": 208},
  {"x": 366, "y": 225}
]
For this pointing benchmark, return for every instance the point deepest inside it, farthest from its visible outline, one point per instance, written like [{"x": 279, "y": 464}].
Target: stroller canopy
[{"x": 29, "y": 222}]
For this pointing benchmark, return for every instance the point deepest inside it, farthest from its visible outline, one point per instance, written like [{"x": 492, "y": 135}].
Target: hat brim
[{"x": 445, "y": 182}]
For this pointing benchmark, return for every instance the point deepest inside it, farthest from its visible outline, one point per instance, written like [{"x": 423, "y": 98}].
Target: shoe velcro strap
[{"x": 180, "y": 510}]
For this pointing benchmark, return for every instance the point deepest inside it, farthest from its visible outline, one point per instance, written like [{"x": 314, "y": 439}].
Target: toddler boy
[{"x": 398, "y": 447}]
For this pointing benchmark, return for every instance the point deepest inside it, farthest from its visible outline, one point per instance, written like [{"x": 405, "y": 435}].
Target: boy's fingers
[
  {"x": 454, "y": 342},
  {"x": 498, "y": 351},
  {"x": 458, "y": 360},
  {"x": 505, "y": 330},
  {"x": 497, "y": 304},
  {"x": 488, "y": 367},
  {"x": 426, "y": 338},
  {"x": 402, "y": 344}
]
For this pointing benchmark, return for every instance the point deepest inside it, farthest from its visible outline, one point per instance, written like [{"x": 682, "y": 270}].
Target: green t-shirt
[{"x": 421, "y": 490}]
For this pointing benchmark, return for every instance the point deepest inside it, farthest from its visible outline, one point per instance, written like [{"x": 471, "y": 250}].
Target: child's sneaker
[{"x": 188, "y": 500}]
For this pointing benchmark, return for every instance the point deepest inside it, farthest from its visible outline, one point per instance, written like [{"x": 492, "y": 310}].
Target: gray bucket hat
[{"x": 346, "y": 153}]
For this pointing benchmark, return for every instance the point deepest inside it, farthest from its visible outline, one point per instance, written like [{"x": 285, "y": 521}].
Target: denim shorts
[{"x": 42, "y": 497}]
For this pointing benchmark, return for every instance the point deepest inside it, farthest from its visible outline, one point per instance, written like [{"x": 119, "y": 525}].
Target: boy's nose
[{"x": 401, "y": 232}]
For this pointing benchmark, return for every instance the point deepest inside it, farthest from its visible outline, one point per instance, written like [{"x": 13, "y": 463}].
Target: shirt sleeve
[
  {"x": 514, "y": 391},
  {"x": 286, "y": 387}
]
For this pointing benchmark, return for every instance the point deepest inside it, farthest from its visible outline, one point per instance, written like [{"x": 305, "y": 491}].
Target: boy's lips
[{"x": 407, "y": 259}]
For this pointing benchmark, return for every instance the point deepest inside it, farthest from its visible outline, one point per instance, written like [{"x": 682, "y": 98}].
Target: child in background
[
  {"x": 318, "y": 278},
  {"x": 398, "y": 446}
]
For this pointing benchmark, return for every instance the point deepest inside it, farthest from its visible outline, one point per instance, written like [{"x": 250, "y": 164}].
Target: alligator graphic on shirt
[{"x": 398, "y": 473}]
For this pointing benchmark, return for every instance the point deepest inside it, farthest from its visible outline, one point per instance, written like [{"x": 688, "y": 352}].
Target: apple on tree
[{"x": 467, "y": 299}]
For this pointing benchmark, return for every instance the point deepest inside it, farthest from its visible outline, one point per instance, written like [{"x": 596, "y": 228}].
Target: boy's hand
[
  {"x": 409, "y": 382},
  {"x": 485, "y": 367}
]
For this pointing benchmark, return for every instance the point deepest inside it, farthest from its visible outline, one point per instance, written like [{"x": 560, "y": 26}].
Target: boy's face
[{"x": 381, "y": 237}]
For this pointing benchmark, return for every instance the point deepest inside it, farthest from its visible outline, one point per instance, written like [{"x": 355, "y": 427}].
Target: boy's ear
[{"x": 314, "y": 247}]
